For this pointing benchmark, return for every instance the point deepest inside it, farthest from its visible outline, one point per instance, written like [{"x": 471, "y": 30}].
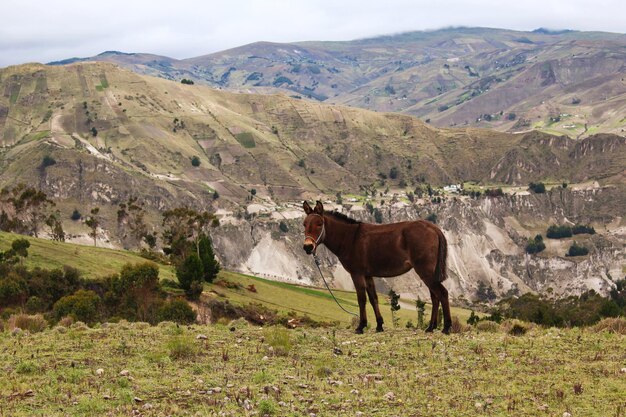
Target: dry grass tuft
[
  {"x": 33, "y": 323},
  {"x": 488, "y": 326},
  {"x": 458, "y": 327},
  {"x": 612, "y": 325}
]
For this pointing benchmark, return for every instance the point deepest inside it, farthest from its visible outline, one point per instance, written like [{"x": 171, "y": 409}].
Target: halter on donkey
[{"x": 386, "y": 250}]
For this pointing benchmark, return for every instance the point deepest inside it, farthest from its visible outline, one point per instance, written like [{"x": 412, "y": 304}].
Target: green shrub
[
  {"x": 178, "y": 311},
  {"x": 267, "y": 407},
  {"x": 535, "y": 245},
  {"x": 47, "y": 161},
  {"x": 278, "y": 338},
  {"x": 83, "y": 305},
  {"x": 537, "y": 187},
  {"x": 13, "y": 289},
  {"x": 195, "y": 161},
  {"x": 581, "y": 228},
  {"x": 182, "y": 347},
  {"x": 35, "y": 304},
  {"x": 190, "y": 274},
  {"x": 75, "y": 215},
  {"x": 26, "y": 368},
  {"x": 210, "y": 265},
  {"x": 577, "y": 250},
  {"x": 558, "y": 232},
  {"x": 473, "y": 319},
  {"x": 494, "y": 192}
]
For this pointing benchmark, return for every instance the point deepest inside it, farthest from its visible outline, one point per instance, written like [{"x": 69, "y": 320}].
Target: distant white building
[{"x": 452, "y": 188}]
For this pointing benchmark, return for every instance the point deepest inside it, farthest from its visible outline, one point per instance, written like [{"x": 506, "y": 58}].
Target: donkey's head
[{"x": 314, "y": 229}]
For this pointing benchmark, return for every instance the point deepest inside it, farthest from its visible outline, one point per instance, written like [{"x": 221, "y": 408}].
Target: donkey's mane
[{"x": 340, "y": 216}]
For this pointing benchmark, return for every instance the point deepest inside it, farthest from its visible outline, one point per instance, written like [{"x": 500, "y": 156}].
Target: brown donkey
[{"x": 386, "y": 250}]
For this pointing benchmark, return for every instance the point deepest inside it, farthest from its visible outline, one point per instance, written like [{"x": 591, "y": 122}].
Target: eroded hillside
[{"x": 92, "y": 134}]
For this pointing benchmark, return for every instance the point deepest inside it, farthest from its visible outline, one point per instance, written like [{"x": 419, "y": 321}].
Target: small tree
[
  {"x": 577, "y": 250},
  {"x": 56, "y": 227},
  {"x": 378, "y": 215},
  {"x": 473, "y": 319},
  {"x": 210, "y": 265},
  {"x": 420, "y": 306},
  {"x": 395, "y": 306},
  {"x": 93, "y": 222},
  {"x": 94, "y": 131},
  {"x": 130, "y": 221},
  {"x": 75, "y": 215},
  {"x": 485, "y": 293},
  {"x": 535, "y": 245},
  {"x": 537, "y": 187},
  {"x": 190, "y": 274},
  {"x": 195, "y": 161},
  {"x": 47, "y": 161}
]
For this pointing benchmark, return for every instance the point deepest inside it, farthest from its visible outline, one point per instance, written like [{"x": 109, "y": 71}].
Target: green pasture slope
[
  {"x": 91, "y": 261},
  {"x": 314, "y": 302}
]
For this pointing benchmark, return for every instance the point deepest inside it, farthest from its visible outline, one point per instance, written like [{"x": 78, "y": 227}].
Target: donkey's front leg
[{"x": 361, "y": 295}]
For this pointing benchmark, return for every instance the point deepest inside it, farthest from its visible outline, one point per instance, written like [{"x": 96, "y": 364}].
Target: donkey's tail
[{"x": 441, "y": 270}]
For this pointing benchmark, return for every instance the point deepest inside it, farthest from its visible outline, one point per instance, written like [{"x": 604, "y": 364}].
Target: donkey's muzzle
[{"x": 308, "y": 248}]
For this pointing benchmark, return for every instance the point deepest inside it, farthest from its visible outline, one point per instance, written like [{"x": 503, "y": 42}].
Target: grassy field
[
  {"x": 91, "y": 261},
  {"x": 240, "y": 369},
  {"x": 303, "y": 372},
  {"x": 315, "y": 302}
]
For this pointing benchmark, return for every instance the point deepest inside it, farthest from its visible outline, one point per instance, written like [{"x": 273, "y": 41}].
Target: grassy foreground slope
[{"x": 252, "y": 371}]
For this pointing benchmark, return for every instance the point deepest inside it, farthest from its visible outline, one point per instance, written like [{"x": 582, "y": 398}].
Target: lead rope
[{"x": 317, "y": 263}]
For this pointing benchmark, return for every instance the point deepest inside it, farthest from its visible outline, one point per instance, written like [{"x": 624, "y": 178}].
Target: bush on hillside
[
  {"x": 583, "y": 229},
  {"x": 178, "y": 311},
  {"x": 537, "y": 187},
  {"x": 494, "y": 192},
  {"x": 190, "y": 274},
  {"x": 577, "y": 250},
  {"x": 558, "y": 232},
  {"x": 82, "y": 306},
  {"x": 535, "y": 245}
]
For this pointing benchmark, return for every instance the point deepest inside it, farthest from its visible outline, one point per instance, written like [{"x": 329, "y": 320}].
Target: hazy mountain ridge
[{"x": 565, "y": 82}]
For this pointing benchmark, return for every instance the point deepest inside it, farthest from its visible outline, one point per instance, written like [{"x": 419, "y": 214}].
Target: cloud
[{"x": 43, "y": 31}]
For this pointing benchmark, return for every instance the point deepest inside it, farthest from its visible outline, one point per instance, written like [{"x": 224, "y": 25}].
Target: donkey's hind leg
[
  {"x": 435, "y": 311},
  {"x": 373, "y": 296},
  {"x": 442, "y": 294}
]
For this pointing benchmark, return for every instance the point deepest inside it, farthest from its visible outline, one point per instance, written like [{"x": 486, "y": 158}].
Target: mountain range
[{"x": 563, "y": 82}]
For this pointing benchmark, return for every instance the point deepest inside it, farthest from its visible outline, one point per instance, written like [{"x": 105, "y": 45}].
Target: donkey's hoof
[
  {"x": 379, "y": 329},
  {"x": 358, "y": 331},
  {"x": 446, "y": 330},
  {"x": 429, "y": 329}
]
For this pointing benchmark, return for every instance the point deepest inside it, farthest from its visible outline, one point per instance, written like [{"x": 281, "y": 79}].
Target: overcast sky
[{"x": 42, "y": 31}]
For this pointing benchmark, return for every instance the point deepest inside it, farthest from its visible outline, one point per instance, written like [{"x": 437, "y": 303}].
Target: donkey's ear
[
  {"x": 307, "y": 209},
  {"x": 319, "y": 208}
]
